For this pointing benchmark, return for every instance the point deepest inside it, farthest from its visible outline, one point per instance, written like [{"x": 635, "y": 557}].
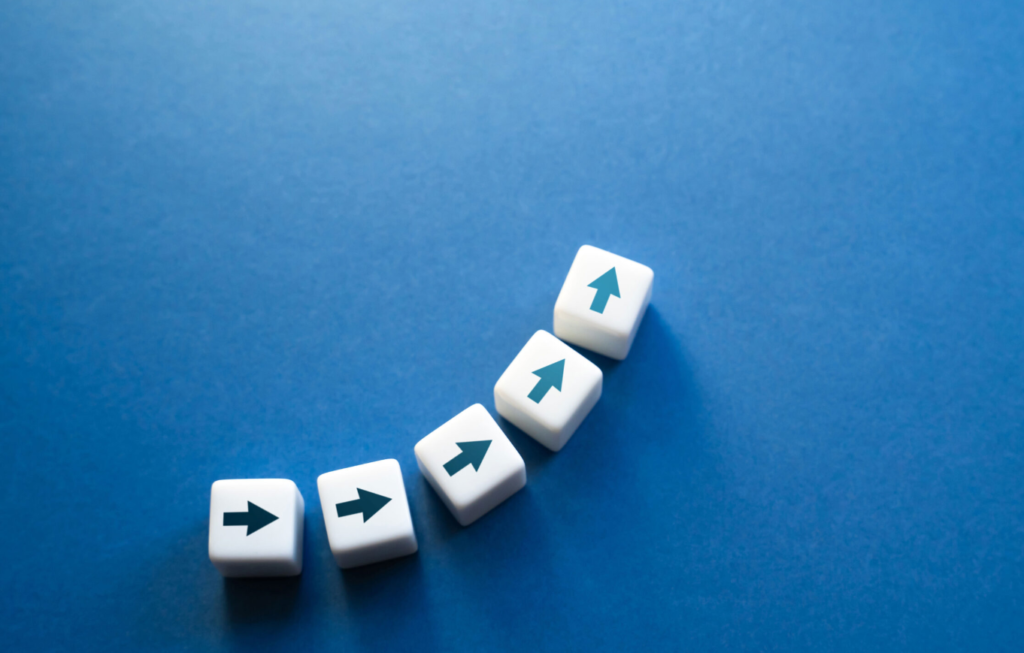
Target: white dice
[
  {"x": 547, "y": 390},
  {"x": 471, "y": 464},
  {"x": 367, "y": 513},
  {"x": 256, "y": 527},
  {"x": 602, "y": 302}
]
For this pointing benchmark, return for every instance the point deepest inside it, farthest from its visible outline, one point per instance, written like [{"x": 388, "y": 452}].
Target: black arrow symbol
[
  {"x": 472, "y": 454},
  {"x": 255, "y": 519},
  {"x": 368, "y": 503}
]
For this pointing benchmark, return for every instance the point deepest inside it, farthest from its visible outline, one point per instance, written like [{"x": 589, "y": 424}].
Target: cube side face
[
  {"x": 271, "y": 568},
  {"x": 609, "y": 331},
  {"x": 368, "y": 528},
  {"x": 429, "y": 475},
  {"x": 554, "y": 418},
  {"x": 378, "y": 552},
  {"x": 526, "y": 422},
  {"x": 256, "y": 527},
  {"x": 298, "y": 531},
  {"x": 590, "y": 400},
  {"x": 571, "y": 328},
  {"x": 494, "y": 497},
  {"x": 470, "y": 490}
]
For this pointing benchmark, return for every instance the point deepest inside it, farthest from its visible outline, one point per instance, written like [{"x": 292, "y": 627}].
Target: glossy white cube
[
  {"x": 361, "y": 538},
  {"x": 256, "y": 527},
  {"x": 555, "y": 417},
  {"x": 594, "y": 318},
  {"x": 468, "y": 484}
]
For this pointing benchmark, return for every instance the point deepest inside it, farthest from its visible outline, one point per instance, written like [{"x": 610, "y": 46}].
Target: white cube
[
  {"x": 256, "y": 527},
  {"x": 471, "y": 464},
  {"x": 367, "y": 513},
  {"x": 547, "y": 390},
  {"x": 602, "y": 302}
]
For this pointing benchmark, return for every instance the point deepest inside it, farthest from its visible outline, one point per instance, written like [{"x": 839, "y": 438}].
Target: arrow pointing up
[
  {"x": 550, "y": 377},
  {"x": 255, "y": 519},
  {"x": 607, "y": 285},
  {"x": 368, "y": 503},
  {"x": 472, "y": 454}
]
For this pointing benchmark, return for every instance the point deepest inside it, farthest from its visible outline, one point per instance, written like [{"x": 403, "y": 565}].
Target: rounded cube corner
[
  {"x": 417, "y": 449},
  {"x": 539, "y": 333},
  {"x": 291, "y": 485}
]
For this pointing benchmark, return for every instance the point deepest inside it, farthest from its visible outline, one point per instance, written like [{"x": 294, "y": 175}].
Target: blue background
[{"x": 270, "y": 239}]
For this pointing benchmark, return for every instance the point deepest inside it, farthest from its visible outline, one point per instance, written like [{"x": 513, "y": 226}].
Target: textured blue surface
[{"x": 252, "y": 239}]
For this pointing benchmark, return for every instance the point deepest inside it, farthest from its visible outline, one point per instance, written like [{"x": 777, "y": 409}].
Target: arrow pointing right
[
  {"x": 550, "y": 377},
  {"x": 255, "y": 519},
  {"x": 368, "y": 503}
]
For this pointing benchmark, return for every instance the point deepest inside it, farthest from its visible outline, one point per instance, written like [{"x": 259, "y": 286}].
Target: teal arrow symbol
[
  {"x": 607, "y": 285},
  {"x": 256, "y": 518},
  {"x": 368, "y": 503},
  {"x": 550, "y": 377},
  {"x": 472, "y": 454}
]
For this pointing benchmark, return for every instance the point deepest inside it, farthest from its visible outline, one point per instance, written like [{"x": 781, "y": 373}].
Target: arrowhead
[
  {"x": 371, "y": 503},
  {"x": 258, "y": 518},
  {"x": 552, "y": 374},
  {"x": 607, "y": 283},
  {"x": 475, "y": 451}
]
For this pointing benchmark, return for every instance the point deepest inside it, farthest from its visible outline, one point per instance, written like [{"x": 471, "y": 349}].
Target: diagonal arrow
[
  {"x": 550, "y": 377},
  {"x": 255, "y": 519},
  {"x": 472, "y": 454},
  {"x": 607, "y": 285},
  {"x": 368, "y": 503}
]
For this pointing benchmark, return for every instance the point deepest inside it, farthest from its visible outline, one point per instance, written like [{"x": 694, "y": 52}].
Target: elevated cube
[
  {"x": 548, "y": 390},
  {"x": 602, "y": 301},
  {"x": 367, "y": 513},
  {"x": 256, "y": 527},
  {"x": 471, "y": 464}
]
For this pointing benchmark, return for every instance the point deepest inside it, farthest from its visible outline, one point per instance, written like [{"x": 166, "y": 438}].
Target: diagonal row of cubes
[{"x": 256, "y": 525}]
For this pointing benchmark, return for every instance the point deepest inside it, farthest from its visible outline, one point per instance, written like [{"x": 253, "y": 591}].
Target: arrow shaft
[
  {"x": 600, "y": 301},
  {"x": 347, "y": 508},
  {"x": 540, "y": 390},
  {"x": 236, "y": 519},
  {"x": 456, "y": 463}
]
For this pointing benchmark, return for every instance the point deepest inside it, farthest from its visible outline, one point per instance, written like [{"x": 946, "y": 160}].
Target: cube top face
[
  {"x": 256, "y": 527},
  {"x": 602, "y": 301},
  {"x": 549, "y": 381},
  {"x": 467, "y": 458},
  {"x": 366, "y": 509}
]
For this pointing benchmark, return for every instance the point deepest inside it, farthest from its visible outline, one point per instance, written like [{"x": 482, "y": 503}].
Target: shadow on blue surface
[
  {"x": 650, "y": 408},
  {"x": 508, "y": 565},
  {"x": 535, "y": 455},
  {"x": 539, "y": 544},
  {"x": 387, "y": 601},
  {"x": 442, "y": 523},
  {"x": 250, "y": 600},
  {"x": 655, "y": 378},
  {"x": 260, "y": 600}
]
